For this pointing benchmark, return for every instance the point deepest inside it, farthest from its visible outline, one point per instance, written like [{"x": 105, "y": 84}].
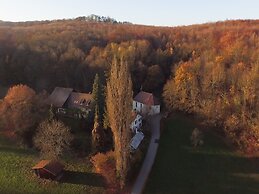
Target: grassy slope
[
  {"x": 212, "y": 169},
  {"x": 16, "y": 175}
]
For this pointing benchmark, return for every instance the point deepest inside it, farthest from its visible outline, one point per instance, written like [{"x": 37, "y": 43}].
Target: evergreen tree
[
  {"x": 98, "y": 136},
  {"x": 51, "y": 113},
  {"x": 98, "y": 97}
]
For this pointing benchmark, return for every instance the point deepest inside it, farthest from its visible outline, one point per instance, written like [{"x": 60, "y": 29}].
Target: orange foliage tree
[{"x": 23, "y": 111}]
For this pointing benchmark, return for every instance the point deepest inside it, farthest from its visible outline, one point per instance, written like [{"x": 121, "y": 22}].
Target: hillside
[
  {"x": 49, "y": 53},
  {"x": 210, "y": 69}
]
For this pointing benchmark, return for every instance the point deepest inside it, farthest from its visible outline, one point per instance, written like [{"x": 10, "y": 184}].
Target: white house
[
  {"x": 136, "y": 122},
  {"x": 146, "y": 104}
]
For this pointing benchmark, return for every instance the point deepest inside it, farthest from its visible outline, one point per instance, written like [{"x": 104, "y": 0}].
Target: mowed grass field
[
  {"x": 16, "y": 175},
  {"x": 212, "y": 169}
]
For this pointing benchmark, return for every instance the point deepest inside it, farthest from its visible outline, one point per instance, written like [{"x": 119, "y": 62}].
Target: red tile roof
[
  {"x": 53, "y": 167},
  {"x": 41, "y": 164},
  {"x": 146, "y": 98}
]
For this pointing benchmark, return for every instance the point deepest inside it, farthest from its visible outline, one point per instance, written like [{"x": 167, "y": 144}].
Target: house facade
[
  {"x": 146, "y": 104},
  {"x": 136, "y": 124}
]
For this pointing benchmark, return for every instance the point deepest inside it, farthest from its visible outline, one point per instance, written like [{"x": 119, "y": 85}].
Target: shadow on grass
[
  {"x": 213, "y": 168},
  {"x": 14, "y": 150},
  {"x": 82, "y": 178}
]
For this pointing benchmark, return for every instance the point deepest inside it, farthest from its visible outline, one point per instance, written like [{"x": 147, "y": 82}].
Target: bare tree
[
  {"x": 119, "y": 103},
  {"x": 52, "y": 138}
]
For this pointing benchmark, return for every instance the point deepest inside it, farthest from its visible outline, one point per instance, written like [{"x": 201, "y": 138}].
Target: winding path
[{"x": 150, "y": 156}]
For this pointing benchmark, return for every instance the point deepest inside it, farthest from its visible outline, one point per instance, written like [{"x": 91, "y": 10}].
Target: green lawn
[
  {"x": 16, "y": 175},
  {"x": 212, "y": 169}
]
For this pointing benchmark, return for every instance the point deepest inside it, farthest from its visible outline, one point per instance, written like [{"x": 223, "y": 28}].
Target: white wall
[
  {"x": 155, "y": 110},
  {"x": 137, "y": 106},
  {"x": 144, "y": 109}
]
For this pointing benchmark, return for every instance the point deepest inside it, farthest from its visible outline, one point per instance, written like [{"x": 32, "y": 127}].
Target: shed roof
[
  {"x": 136, "y": 140},
  {"x": 53, "y": 167},
  {"x": 59, "y": 96},
  {"x": 146, "y": 98}
]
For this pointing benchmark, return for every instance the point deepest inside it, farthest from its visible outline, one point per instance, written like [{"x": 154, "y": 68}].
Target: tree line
[
  {"x": 69, "y": 53},
  {"x": 220, "y": 81}
]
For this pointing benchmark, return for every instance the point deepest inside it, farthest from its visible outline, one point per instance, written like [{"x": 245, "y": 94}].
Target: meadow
[{"x": 214, "y": 168}]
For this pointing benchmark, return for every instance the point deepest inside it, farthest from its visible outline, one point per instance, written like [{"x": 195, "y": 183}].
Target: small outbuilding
[
  {"x": 49, "y": 169},
  {"x": 136, "y": 140}
]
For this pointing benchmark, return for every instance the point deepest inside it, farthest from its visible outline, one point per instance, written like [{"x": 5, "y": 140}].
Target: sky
[{"x": 147, "y": 12}]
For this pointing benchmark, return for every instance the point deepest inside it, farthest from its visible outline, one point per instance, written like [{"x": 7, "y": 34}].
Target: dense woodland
[
  {"x": 211, "y": 70},
  {"x": 70, "y": 53}
]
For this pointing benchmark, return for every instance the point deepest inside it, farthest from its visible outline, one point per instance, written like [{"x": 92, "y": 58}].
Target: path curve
[{"x": 139, "y": 185}]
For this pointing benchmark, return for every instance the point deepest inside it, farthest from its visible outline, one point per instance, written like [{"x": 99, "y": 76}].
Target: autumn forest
[{"x": 211, "y": 70}]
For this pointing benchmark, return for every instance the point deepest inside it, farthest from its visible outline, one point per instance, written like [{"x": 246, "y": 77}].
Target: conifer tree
[
  {"x": 98, "y": 136},
  {"x": 98, "y": 97}
]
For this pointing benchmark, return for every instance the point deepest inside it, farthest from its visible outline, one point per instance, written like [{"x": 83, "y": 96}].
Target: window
[{"x": 82, "y": 101}]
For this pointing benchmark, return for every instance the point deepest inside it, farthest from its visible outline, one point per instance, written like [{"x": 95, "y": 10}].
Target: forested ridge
[
  {"x": 69, "y": 53},
  {"x": 210, "y": 69}
]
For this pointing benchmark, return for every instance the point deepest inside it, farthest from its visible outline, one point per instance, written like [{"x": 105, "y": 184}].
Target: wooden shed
[{"x": 49, "y": 169}]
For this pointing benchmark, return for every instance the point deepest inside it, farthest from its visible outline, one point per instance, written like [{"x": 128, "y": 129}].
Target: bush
[
  {"x": 104, "y": 163},
  {"x": 197, "y": 138}
]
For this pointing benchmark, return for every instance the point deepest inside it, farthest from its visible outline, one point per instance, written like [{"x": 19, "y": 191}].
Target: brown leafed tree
[
  {"x": 52, "y": 139},
  {"x": 23, "y": 110},
  {"x": 119, "y": 103},
  {"x": 20, "y": 101},
  {"x": 3, "y": 109}
]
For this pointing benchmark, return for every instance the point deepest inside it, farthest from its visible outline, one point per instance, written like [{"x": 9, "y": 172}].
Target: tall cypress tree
[{"x": 119, "y": 107}]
